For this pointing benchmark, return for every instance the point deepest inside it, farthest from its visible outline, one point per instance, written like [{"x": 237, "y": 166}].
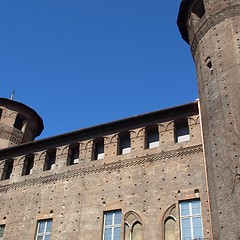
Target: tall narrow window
[
  {"x": 19, "y": 122},
  {"x": 98, "y": 149},
  {"x": 7, "y": 170},
  {"x": 132, "y": 227},
  {"x": 191, "y": 220},
  {"x": 152, "y": 137},
  {"x": 209, "y": 64},
  {"x": 124, "y": 143},
  {"x": 50, "y": 160},
  {"x": 182, "y": 131},
  {"x": 73, "y": 155},
  {"x": 44, "y": 228},
  {"x": 169, "y": 229},
  {"x": 2, "y": 228},
  {"x": 28, "y": 165},
  {"x": 112, "y": 225}
]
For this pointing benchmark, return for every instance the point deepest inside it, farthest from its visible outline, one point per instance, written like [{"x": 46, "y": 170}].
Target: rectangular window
[
  {"x": 74, "y": 155},
  {"x": 50, "y": 160},
  {"x": 28, "y": 165},
  {"x": 44, "y": 228},
  {"x": 98, "y": 149},
  {"x": 182, "y": 131},
  {"x": 19, "y": 122},
  {"x": 191, "y": 220},
  {"x": 2, "y": 228},
  {"x": 152, "y": 137},
  {"x": 112, "y": 225},
  {"x": 124, "y": 143},
  {"x": 7, "y": 170}
]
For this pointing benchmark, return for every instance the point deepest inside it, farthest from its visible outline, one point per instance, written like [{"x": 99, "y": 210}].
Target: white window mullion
[
  {"x": 191, "y": 226},
  {"x": 113, "y": 221},
  {"x": 191, "y": 222},
  {"x": 189, "y": 212},
  {"x": 112, "y": 232},
  {"x": 109, "y": 227},
  {"x": 46, "y": 231}
]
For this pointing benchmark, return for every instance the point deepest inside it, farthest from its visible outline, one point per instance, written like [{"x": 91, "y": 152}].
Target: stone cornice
[{"x": 103, "y": 168}]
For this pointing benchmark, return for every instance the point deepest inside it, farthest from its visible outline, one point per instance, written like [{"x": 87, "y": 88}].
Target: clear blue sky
[{"x": 80, "y": 63}]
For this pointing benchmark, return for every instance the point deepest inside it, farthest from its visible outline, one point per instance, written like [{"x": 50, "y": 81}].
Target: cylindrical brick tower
[
  {"x": 212, "y": 29},
  {"x": 18, "y": 123}
]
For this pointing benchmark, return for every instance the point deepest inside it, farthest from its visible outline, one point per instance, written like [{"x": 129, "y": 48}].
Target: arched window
[
  {"x": 132, "y": 227},
  {"x": 169, "y": 229},
  {"x": 169, "y": 224}
]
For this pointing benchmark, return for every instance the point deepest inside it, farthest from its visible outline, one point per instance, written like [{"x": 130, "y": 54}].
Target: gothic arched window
[
  {"x": 132, "y": 227},
  {"x": 169, "y": 229},
  {"x": 169, "y": 224}
]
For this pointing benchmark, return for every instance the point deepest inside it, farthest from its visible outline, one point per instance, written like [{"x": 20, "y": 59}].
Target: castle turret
[
  {"x": 18, "y": 123},
  {"x": 212, "y": 29}
]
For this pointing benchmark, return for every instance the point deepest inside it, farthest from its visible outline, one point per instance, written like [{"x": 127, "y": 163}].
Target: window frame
[
  {"x": 50, "y": 160},
  {"x": 124, "y": 143},
  {"x": 74, "y": 155},
  {"x": 44, "y": 233},
  {"x": 2, "y": 229},
  {"x": 113, "y": 225},
  {"x": 98, "y": 149},
  {"x": 180, "y": 126},
  {"x": 7, "y": 169},
  {"x": 20, "y": 122},
  {"x": 191, "y": 216},
  {"x": 152, "y": 138},
  {"x": 28, "y": 165}
]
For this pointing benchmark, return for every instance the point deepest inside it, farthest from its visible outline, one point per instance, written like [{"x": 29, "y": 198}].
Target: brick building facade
[
  {"x": 141, "y": 169},
  {"x": 145, "y": 177}
]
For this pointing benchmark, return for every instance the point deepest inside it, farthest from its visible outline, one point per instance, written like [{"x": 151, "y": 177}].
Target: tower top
[
  {"x": 18, "y": 123},
  {"x": 11, "y": 104},
  {"x": 186, "y": 8}
]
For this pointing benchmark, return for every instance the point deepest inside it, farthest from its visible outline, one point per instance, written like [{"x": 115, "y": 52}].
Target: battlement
[{"x": 157, "y": 132}]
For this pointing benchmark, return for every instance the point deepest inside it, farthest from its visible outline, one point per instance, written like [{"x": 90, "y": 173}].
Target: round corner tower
[
  {"x": 212, "y": 29},
  {"x": 18, "y": 123}
]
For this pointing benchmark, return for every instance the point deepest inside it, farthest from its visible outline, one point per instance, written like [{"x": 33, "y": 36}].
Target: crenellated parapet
[{"x": 144, "y": 135}]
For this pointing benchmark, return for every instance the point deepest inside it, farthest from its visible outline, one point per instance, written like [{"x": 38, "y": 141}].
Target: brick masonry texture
[
  {"x": 214, "y": 38},
  {"x": 147, "y": 182}
]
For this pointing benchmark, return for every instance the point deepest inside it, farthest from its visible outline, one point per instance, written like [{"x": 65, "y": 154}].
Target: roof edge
[
  {"x": 183, "y": 14},
  {"x": 102, "y": 128}
]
